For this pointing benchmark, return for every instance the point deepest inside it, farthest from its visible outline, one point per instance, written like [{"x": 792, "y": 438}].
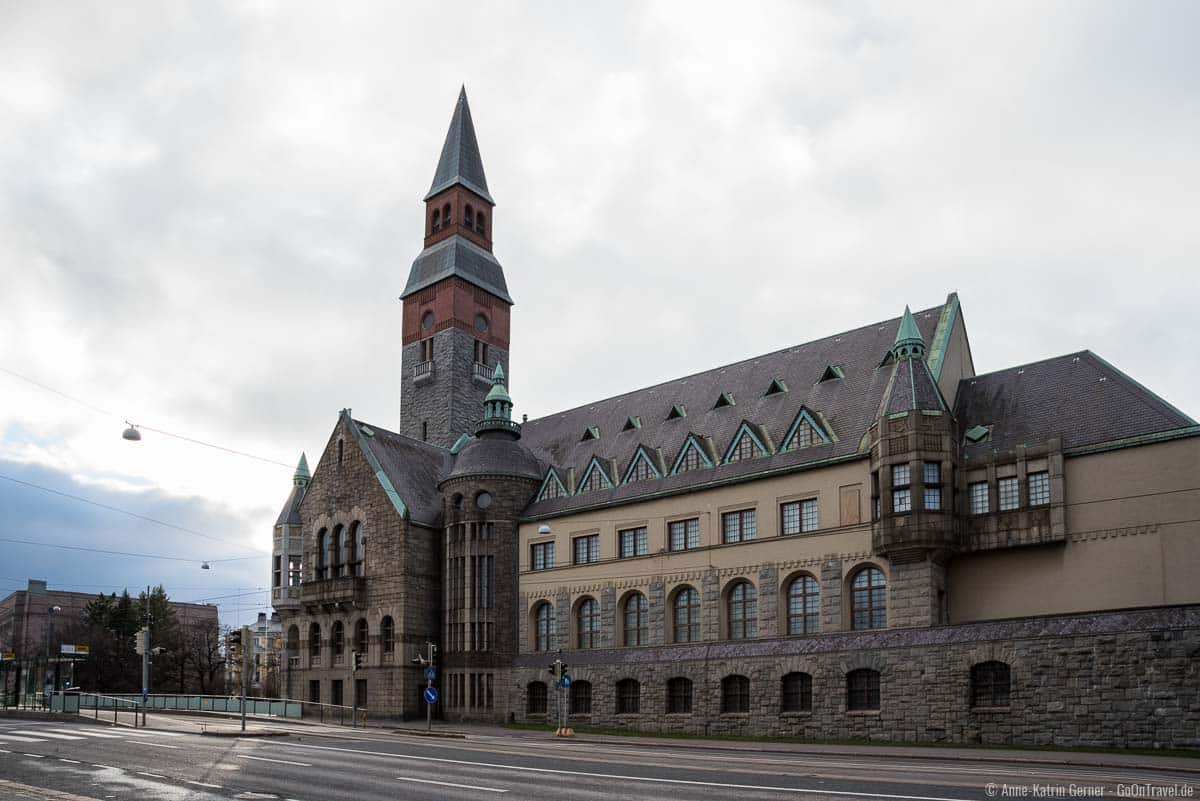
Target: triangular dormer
[
  {"x": 805, "y": 432},
  {"x": 832, "y": 373},
  {"x": 677, "y": 411},
  {"x": 590, "y": 433},
  {"x": 750, "y": 442},
  {"x": 776, "y": 387},
  {"x": 692, "y": 456},
  {"x": 552, "y": 487},
  {"x": 725, "y": 399},
  {"x": 632, "y": 423},
  {"x": 645, "y": 465},
  {"x": 595, "y": 477}
]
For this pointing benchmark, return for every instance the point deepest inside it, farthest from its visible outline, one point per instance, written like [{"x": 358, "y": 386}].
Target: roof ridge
[
  {"x": 726, "y": 366},
  {"x": 1027, "y": 364},
  {"x": 396, "y": 434}
]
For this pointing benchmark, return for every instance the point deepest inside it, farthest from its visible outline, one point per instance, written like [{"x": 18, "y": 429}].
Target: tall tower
[{"x": 456, "y": 303}]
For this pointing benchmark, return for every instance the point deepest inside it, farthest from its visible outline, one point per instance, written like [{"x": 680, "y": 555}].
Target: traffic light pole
[
  {"x": 247, "y": 651},
  {"x": 146, "y": 657},
  {"x": 562, "y": 680},
  {"x": 429, "y": 662}
]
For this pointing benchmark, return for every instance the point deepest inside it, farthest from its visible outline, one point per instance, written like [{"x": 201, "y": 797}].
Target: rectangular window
[
  {"x": 314, "y": 691},
  {"x": 798, "y": 517},
  {"x": 481, "y": 352},
  {"x": 684, "y": 534},
  {"x": 901, "y": 500},
  {"x": 335, "y": 692},
  {"x": 978, "y": 493},
  {"x": 933, "y": 498},
  {"x": 1039, "y": 489},
  {"x": 900, "y": 475},
  {"x": 277, "y": 572},
  {"x": 587, "y": 549},
  {"x": 738, "y": 526},
  {"x": 633, "y": 542},
  {"x": 1009, "y": 495},
  {"x": 427, "y": 350},
  {"x": 543, "y": 555},
  {"x": 295, "y": 571},
  {"x": 933, "y": 473},
  {"x": 360, "y": 693}
]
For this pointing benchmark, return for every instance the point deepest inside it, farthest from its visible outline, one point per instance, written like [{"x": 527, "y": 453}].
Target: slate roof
[
  {"x": 911, "y": 387},
  {"x": 491, "y": 456},
  {"x": 456, "y": 256},
  {"x": 290, "y": 514},
  {"x": 848, "y": 405},
  {"x": 460, "y": 162},
  {"x": 414, "y": 469},
  {"x": 1079, "y": 397}
]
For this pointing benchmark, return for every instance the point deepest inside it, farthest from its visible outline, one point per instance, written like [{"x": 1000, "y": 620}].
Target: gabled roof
[
  {"x": 290, "y": 514},
  {"x": 456, "y": 256},
  {"x": 460, "y": 162},
  {"x": 408, "y": 470},
  {"x": 849, "y": 405},
  {"x": 1078, "y": 397}
]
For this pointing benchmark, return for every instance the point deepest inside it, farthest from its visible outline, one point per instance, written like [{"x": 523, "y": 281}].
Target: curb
[
  {"x": 244, "y": 733},
  {"x": 1020, "y": 760},
  {"x": 448, "y": 735}
]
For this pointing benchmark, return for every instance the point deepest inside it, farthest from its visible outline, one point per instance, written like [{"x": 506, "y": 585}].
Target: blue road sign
[
  {"x": 430, "y": 673},
  {"x": 431, "y": 695},
  {"x": 565, "y": 680}
]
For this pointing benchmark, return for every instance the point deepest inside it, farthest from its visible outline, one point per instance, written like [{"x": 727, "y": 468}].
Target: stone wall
[{"x": 1104, "y": 679}]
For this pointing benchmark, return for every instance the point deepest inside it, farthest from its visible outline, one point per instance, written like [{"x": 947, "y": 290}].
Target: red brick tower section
[{"x": 456, "y": 302}]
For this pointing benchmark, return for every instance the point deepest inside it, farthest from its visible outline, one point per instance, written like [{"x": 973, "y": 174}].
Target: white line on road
[
  {"x": 72, "y": 761},
  {"x": 158, "y": 745},
  {"x": 451, "y": 784},
  {"x": 82, "y": 733},
  {"x": 36, "y": 756},
  {"x": 280, "y": 761},
  {"x": 203, "y": 784},
  {"x": 649, "y": 779},
  {"x": 49, "y": 735},
  {"x": 15, "y": 739},
  {"x": 151, "y": 775}
]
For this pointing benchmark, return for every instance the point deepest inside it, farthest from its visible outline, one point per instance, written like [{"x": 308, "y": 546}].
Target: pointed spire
[
  {"x": 909, "y": 342},
  {"x": 460, "y": 162},
  {"x": 497, "y": 408},
  {"x": 302, "y": 475}
]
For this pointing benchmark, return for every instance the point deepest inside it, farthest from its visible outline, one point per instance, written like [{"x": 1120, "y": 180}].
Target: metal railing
[{"x": 77, "y": 702}]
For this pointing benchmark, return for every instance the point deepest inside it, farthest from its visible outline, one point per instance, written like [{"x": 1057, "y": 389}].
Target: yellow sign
[
  {"x": 78, "y": 650},
  {"x": 8, "y": 655}
]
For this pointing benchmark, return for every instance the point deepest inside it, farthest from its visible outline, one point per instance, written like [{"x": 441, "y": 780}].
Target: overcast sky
[{"x": 207, "y": 212}]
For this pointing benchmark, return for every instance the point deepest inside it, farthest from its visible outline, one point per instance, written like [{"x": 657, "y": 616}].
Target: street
[{"x": 102, "y": 762}]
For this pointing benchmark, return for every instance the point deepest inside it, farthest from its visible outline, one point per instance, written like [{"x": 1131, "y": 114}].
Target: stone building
[{"x": 858, "y": 536}]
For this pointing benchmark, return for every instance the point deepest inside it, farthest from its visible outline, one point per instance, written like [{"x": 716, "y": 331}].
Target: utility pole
[
  {"x": 145, "y": 634},
  {"x": 429, "y": 662},
  {"x": 247, "y": 650}
]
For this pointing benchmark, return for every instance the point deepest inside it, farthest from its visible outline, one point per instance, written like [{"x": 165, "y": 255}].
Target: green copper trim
[
  {"x": 724, "y": 400},
  {"x": 692, "y": 441},
  {"x": 744, "y": 430},
  {"x": 632, "y": 422},
  {"x": 817, "y": 428},
  {"x": 897, "y": 415},
  {"x": 302, "y": 473},
  {"x": 976, "y": 434},
  {"x": 380, "y": 475},
  {"x": 594, "y": 464},
  {"x": 909, "y": 342},
  {"x": 640, "y": 454},
  {"x": 677, "y": 411},
  {"x": 1133, "y": 442},
  {"x": 831, "y": 373},
  {"x": 776, "y": 387},
  {"x": 941, "y": 336},
  {"x": 1141, "y": 386},
  {"x": 551, "y": 474},
  {"x": 590, "y": 433}
]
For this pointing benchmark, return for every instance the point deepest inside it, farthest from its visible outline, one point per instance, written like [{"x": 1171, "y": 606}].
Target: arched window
[
  {"x": 679, "y": 696},
  {"x": 543, "y": 627},
  {"x": 535, "y": 698},
  {"x": 804, "y": 605},
  {"x": 868, "y": 599},
  {"x": 341, "y": 450},
  {"x": 637, "y": 624},
  {"x": 588, "y": 621},
  {"x": 387, "y": 634},
  {"x": 796, "y": 693},
  {"x": 360, "y": 636},
  {"x": 991, "y": 684},
  {"x": 480, "y": 227},
  {"x": 735, "y": 695},
  {"x": 469, "y": 217},
  {"x": 337, "y": 638},
  {"x": 314, "y": 640},
  {"x": 743, "y": 611},
  {"x": 687, "y": 615},
  {"x": 437, "y": 219},
  {"x": 293, "y": 641},
  {"x": 345, "y": 552},
  {"x": 446, "y": 217},
  {"x": 581, "y": 698},
  {"x": 359, "y": 543},
  {"x": 337, "y": 547},
  {"x": 862, "y": 689},
  {"x": 629, "y": 697},
  {"x": 322, "y": 555}
]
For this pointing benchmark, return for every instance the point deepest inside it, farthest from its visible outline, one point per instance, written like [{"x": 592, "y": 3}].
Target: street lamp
[{"x": 131, "y": 433}]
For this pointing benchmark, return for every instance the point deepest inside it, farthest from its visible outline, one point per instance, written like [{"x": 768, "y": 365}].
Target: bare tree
[{"x": 203, "y": 654}]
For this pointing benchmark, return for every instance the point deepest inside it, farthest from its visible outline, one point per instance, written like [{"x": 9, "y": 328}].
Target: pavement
[{"x": 65, "y": 759}]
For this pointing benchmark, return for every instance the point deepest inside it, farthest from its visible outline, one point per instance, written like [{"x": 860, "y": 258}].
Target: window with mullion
[
  {"x": 738, "y": 526},
  {"x": 1009, "y": 494},
  {"x": 1039, "y": 489},
  {"x": 743, "y": 611},
  {"x": 629, "y": 693},
  {"x": 796, "y": 694},
  {"x": 804, "y": 609},
  {"x": 684, "y": 534},
  {"x": 589, "y": 623},
  {"x": 679, "y": 696},
  {"x": 637, "y": 629},
  {"x": 862, "y": 689},
  {"x": 633, "y": 542},
  {"x": 544, "y": 628},
  {"x": 735, "y": 695},
  {"x": 687, "y": 615},
  {"x": 991, "y": 684},
  {"x": 977, "y": 493},
  {"x": 868, "y": 598},
  {"x": 543, "y": 555}
]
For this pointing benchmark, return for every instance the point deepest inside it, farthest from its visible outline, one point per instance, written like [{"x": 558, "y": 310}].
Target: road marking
[
  {"x": 280, "y": 761},
  {"x": 88, "y": 734},
  {"x": 51, "y": 736},
  {"x": 648, "y": 779},
  {"x": 158, "y": 745},
  {"x": 36, "y": 756},
  {"x": 203, "y": 784},
  {"x": 151, "y": 775},
  {"x": 72, "y": 761},
  {"x": 451, "y": 784},
  {"x": 15, "y": 739},
  {"x": 2, "y": 751}
]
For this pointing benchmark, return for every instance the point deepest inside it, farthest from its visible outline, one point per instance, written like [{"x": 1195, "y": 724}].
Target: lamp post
[{"x": 48, "y": 679}]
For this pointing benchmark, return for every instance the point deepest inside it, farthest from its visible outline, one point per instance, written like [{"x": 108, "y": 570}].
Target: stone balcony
[
  {"x": 342, "y": 593},
  {"x": 912, "y": 534},
  {"x": 1030, "y": 526}
]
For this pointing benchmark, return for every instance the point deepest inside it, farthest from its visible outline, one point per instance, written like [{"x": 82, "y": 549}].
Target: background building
[{"x": 858, "y": 536}]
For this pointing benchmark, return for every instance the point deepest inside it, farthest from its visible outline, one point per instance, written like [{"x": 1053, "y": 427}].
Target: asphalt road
[{"x": 97, "y": 761}]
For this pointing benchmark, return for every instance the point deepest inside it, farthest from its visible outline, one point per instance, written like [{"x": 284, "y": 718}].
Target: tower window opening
[
  {"x": 427, "y": 349},
  {"x": 437, "y": 219},
  {"x": 446, "y": 217},
  {"x": 481, "y": 352},
  {"x": 480, "y": 227},
  {"x": 469, "y": 217}
]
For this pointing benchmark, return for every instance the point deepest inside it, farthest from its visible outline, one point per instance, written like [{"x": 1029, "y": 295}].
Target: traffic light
[
  {"x": 140, "y": 642},
  {"x": 360, "y": 660}
]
